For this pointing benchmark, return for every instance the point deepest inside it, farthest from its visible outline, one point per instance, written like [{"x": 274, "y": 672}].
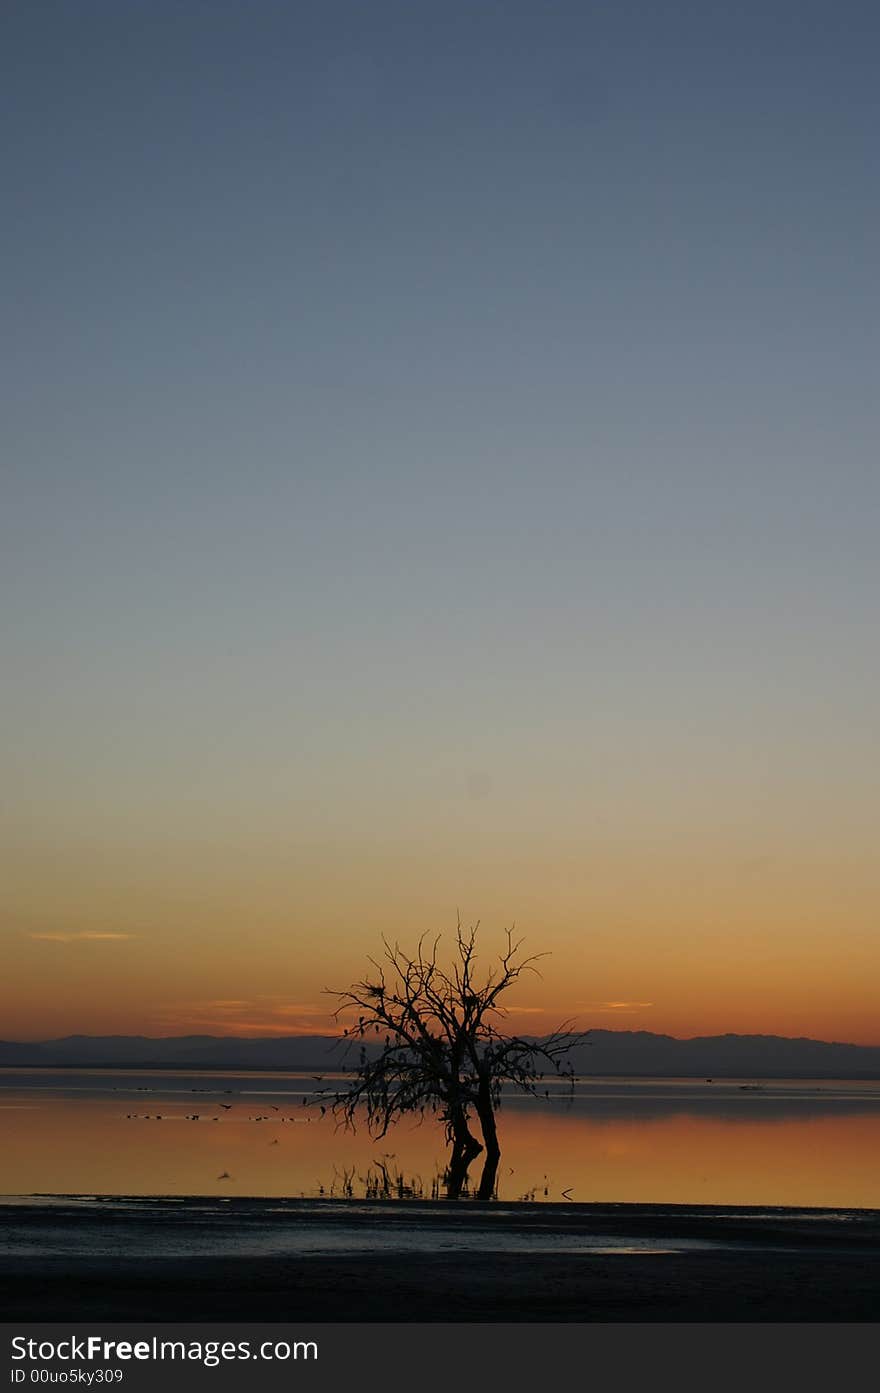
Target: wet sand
[{"x": 392, "y": 1262}]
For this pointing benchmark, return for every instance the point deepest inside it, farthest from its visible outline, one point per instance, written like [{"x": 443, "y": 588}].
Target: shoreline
[{"x": 74, "y": 1258}]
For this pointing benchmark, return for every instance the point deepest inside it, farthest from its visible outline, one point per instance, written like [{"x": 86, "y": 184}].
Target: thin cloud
[
  {"x": 87, "y": 936},
  {"x": 244, "y": 1016},
  {"x": 623, "y": 1007},
  {"x": 247, "y": 1006}
]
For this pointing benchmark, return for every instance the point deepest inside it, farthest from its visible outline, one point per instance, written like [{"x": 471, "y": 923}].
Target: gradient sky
[{"x": 440, "y": 475}]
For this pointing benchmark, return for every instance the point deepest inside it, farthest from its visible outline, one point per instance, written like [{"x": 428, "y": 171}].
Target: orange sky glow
[
  {"x": 420, "y": 507},
  {"x": 234, "y": 950}
]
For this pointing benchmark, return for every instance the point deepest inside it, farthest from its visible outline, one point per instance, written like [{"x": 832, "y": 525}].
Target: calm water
[{"x": 682, "y": 1141}]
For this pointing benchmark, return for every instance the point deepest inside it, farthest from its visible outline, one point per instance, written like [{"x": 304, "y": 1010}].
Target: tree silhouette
[{"x": 441, "y": 1051}]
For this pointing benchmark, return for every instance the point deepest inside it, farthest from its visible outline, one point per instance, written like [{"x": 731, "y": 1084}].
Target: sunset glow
[{"x": 440, "y": 481}]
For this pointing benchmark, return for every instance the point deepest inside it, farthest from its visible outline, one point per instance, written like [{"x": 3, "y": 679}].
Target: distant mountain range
[{"x": 606, "y": 1052}]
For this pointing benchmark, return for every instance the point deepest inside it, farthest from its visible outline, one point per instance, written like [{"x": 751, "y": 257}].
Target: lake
[{"x": 805, "y": 1143}]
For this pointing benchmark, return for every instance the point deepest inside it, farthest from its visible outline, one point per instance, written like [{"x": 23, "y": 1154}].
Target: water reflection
[{"x": 806, "y": 1143}]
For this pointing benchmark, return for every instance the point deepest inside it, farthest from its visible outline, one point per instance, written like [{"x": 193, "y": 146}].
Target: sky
[{"x": 440, "y": 479}]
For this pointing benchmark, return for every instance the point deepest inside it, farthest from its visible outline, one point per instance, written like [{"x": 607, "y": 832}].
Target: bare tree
[{"x": 441, "y": 1051}]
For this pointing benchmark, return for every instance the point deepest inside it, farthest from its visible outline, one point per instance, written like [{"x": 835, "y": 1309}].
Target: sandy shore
[{"x": 339, "y": 1261}]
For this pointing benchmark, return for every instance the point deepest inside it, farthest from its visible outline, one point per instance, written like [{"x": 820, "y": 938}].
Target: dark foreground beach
[{"x": 75, "y": 1259}]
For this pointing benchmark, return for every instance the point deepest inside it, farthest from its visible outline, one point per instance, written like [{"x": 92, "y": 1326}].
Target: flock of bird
[
  {"x": 227, "y": 1107},
  {"x": 201, "y": 1117}
]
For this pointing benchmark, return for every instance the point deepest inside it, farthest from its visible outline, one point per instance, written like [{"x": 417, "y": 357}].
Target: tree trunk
[
  {"x": 486, "y": 1114},
  {"x": 464, "y": 1148}
]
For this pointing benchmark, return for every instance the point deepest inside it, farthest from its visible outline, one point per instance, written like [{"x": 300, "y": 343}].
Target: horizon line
[{"x": 305, "y": 1035}]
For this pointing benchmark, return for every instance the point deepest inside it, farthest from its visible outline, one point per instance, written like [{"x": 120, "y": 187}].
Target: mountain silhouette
[{"x": 606, "y": 1052}]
